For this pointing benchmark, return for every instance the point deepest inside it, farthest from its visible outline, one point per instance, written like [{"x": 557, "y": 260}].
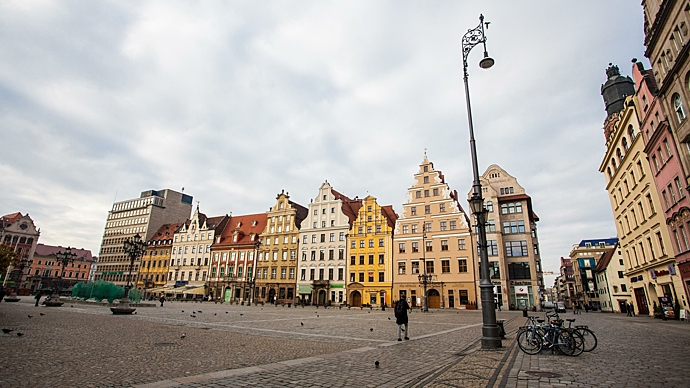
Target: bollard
[{"x": 524, "y": 313}]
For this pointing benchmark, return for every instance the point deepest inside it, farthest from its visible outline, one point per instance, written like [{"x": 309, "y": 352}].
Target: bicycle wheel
[
  {"x": 570, "y": 343},
  {"x": 590, "y": 338},
  {"x": 529, "y": 342}
]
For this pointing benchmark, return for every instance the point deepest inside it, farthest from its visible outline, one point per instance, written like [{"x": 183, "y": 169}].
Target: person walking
[
  {"x": 631, "y": 307},
  {"x": 162, "y": 299},
  {"x": 627, "y": 310},
  {"x": 401, "y": 317},
  {"x": 38, "y": 298},
  {"x": 586, "y": 307}
]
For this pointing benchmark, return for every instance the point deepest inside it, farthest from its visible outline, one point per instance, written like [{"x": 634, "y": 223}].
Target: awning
[
  {"x": 195, "y": 291},
  {"x": 304, "y": 289},
  {"x": 157, "y": 289}
]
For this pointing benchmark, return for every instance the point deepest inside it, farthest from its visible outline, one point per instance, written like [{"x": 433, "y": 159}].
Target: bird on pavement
[
  {"x": 376, "y": 363},
  {"x": 199, "y": 311},
  {"x": 241, "y": 315},
  {"x": 193, "y": 316},
  {"x": 31, "y": 316},
  {"x": 41, "y": 314},
  {"x": 71, "y": 305},
  {"x": 372, "y": 329},
  {"x": 389, "y": 318},
  {"x": 215, "y": 314},
  {"x": 7, "y": 331},
  {"x": 182, "y": 310},
  {"x": 301, "y": 324},
  {"x": 183, "y": 336},
  {"x": 193, "y": 312},
  {"x": 20, "y": 334},
  {"x": 226, "y": 312}
]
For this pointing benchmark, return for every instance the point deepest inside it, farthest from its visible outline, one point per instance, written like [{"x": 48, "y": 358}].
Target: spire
[{"x": 616, "y": 89}]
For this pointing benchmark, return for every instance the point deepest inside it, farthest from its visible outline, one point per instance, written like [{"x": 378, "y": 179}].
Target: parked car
[{"x": 560, "y": 307}]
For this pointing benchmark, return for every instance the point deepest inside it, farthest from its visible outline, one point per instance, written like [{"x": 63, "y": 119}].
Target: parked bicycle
[
  {"x": 533, "y": 338},
  {"x": 584, "y": 330}
]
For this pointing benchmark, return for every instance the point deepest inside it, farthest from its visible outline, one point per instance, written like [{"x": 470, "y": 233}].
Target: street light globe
[{"x": 487, "y": 62}]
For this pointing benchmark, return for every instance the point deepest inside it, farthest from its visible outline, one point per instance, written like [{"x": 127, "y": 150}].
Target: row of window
[
  {"x": 360, "y": 229},
  {"x": 130, "y": 213},
  {"x": 353, "y": 243},
  {"x": 321, "y": 238},
  {"x": 322, "y": 254},
  {"x": 644, "y": 249},
  {"x": 201, "y": 249},
  {"x": 516, "y": 271},
  {"x": 17, "y": 240},
  {"x": 195, "y": 237},
  {"x": 675, "y": 194},
  {"x": 370, "y": 277},
  {"x": 429, "y": 265},
  {"x": 72, "y": 275},
  {"x": 512, "y": 248},
  {"x": 635, "y": 212},
  {"x": 429, "y": 245},
  {"x": 321, "y": 274},
  {"x": 353, "y": 260},
  {"x": 443, "y": 225}
]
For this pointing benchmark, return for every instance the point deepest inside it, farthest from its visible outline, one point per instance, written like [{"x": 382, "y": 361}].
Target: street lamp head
[
  {"x": 476, "y": 204},
  {"x": 487, "y": 62}
]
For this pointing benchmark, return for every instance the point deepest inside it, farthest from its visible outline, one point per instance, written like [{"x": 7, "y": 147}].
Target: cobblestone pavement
[
  {"x": 236, "y": 346},
  {"x": 631, "y": 352}
]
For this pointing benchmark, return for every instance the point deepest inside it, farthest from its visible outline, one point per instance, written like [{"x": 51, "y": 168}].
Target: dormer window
[
  {"x": 234, "y": 237},
  {"x": 254, "y": 223},
  {"x": 239, "y": 224},
  {"x": 251, "y": 237}
]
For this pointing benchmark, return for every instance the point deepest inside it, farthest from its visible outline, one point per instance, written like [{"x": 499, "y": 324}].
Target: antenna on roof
[{"x": 183, "y": 189}]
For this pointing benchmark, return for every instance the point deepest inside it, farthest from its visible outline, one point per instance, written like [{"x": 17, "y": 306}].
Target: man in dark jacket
[{"x": 401, "y": 317}]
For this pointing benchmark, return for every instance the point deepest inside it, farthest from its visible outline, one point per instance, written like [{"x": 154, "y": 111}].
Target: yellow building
[
  {"x": 276, "y": 264},
  {"x": 153, "y": 272},
  {"x": 371, "y": 255}
]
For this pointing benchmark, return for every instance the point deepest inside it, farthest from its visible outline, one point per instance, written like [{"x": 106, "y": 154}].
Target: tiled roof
[
  {"x": 166, "y": 232},
  {"x": 350, "y": 206},
  {"x": 215, "y": 222},
  {"x": 390, "y": 215},
  {"x": 301, "y": 213},
  {"x": 51, "y": 250},
  {"x": 248, "y": 224},
  {"x": 9, "y": 219}
]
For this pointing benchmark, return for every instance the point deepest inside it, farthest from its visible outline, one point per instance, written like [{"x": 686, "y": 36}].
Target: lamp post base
[
  {"x": 53, "y": 301},
  {"x": 12, "y": 298},
  {"x": 491, "y": 343},
  {"x": 122, "y": 308}
]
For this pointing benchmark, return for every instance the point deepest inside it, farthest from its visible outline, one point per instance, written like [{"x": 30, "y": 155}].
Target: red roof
[
  {"x": 390, "y": 215},
  {"x": 244, "y": 227},
  {"x": 51, "y": 250},
  {"x": 605, "y": 259},
  {"x": 165, "y": 232},
  {"x": 350, "y": 206},
  {"x": 9, "y": 219}
]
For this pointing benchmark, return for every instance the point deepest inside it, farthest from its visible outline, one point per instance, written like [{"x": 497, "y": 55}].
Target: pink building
[
  {"x": 667, "y": 170},
  {"x": 44, "y": 271}
]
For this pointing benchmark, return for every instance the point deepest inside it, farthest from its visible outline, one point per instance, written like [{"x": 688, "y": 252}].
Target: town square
[{"x": 356, "y": 194}]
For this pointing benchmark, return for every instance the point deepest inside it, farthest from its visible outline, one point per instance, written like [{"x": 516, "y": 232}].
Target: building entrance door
[
  {"x": 622, "y": 306},
  {"x": 434, "y": 299},
  {"x": 641, "y": 300},
  {"x": 451, "y": 301},
  {"x": 356, "y": 299},
  {"x": 271, "y": 294},
  {"x": 322, "y": 297}
]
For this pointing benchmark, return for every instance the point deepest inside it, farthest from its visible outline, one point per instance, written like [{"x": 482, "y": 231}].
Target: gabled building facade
[
  {"x": 432, "y": 237},
  {"x": 233, "y": 263},
  {"x": 191, "y": 255},
  {"x": 370, "y": 273},
  {"x": 323, "y": 247},
  {"x": 276, "y": 264},
  {"x": 18, "y": 232},
  {"x": 153, "y": 274},
  {"x": 565, "y": 283},
  {"x": 612, "y": 285},
  {"x": 513, "y": 245}
]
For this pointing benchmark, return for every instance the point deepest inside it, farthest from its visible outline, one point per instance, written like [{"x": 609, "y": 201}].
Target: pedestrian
[
  {"x": 38, "y": 297},
  {"x": 627, "y": 310},
  {"x": 586, "y": 307},
  {"x": 632, "y": 309},
  {"x": 162, "y": 299},
  {"x": 401, "y": 317}
]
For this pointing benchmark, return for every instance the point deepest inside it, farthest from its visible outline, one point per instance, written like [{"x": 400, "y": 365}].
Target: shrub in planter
[{"x": 658, "y": 311}]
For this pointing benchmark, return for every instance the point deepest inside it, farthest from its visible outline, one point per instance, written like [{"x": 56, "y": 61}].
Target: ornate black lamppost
[
  {"x": 250, "y": 282},
  {"x": 63, "y": 258},
  {"x": 134, "y": 247},
  {"x": 424, "y": 278},
  {"x": 490, "y": 331}
]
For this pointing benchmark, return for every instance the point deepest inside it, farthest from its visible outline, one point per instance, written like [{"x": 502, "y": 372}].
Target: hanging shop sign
[{"x": 521, "y": 290}]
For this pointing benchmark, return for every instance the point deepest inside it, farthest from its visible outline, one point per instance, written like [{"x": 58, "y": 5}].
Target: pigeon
[
  {"x": 135, "y": 313},
  {"x": 372, "y": 329},
  {"x": 182, "y": 310},
  {"x": 41, "y": 314},
  {"x": 389, "y": 318},
  {"x": 215, "y": 314},
  {"x": 317, "y": 315},
  {"x": 226, "y": 312},
  {"x": 301, "y": 324},
  {"x": 31, "y": 316},
  {"x": 193, "y": 312},
  {"x": 71, "y": 305},
  {"x": 7, "y": 331},
  {"x": 20, "y": 334},
  {"x": 183, "y": 335},
  {"x": 199, "y": 311},
  {"x": 241, "y": 315},
  {"x": 193, "y": 316},
  {"x": 376, "y": 363}
]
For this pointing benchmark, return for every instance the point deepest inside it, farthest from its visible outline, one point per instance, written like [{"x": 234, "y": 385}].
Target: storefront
[{"x": 522, "y": 298}]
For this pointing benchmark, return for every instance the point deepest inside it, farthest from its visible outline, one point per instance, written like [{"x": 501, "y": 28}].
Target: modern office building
[{"x": 143, "y": 216}]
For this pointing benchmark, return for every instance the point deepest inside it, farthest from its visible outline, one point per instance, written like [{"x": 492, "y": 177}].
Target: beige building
[
  {"x": 432, "y": 237},
  {"x": 18, "y": 232},
  {"x": 513, "y": 245},
  {"x": 191, "y": 255},
  {"x": 640, "y": 223},
  {"x": 276, "y": 264},
  {"x": 613, "y": 287},
  {"x": 143, "y": 216}
]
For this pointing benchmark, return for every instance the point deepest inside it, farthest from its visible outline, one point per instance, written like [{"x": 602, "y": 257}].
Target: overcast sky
[{"x": 235, "y": 101}]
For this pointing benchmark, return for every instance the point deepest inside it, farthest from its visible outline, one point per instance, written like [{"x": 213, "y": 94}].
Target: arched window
[
  {"x": 631, "y": 132},
  {"x": 613, "y": 162},
  {"x": 625, "y": 144},
  {"x": 678, "y": 107},
  {"x": 608, "y": 169},
  {"x": 619, "y": 154}
]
